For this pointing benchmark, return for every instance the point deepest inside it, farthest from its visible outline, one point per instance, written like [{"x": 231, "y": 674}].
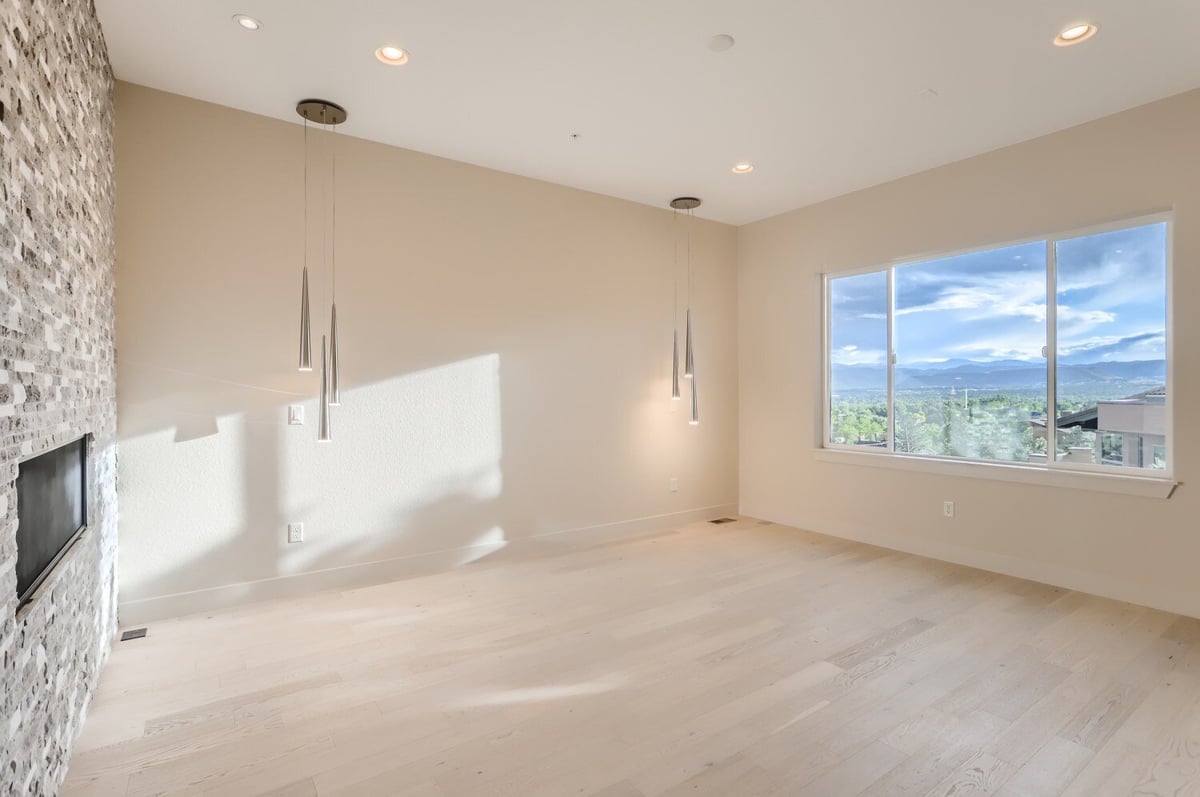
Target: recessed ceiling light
[
  {"x": 1076, "y": 33},
  {"x": 742, "y": 167},
  {"x": 392, "y": 56},
  {"x": 247, "y": 22}
]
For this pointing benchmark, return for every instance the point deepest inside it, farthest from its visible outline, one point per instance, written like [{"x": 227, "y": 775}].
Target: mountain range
[{"x": 1002, "y": 374}]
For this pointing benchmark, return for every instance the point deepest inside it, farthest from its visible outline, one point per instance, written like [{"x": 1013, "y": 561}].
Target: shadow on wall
[{"x": 206, "y": 497}]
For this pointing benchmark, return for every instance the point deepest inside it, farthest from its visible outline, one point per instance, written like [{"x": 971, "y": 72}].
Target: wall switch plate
[
  {"x": 296, "y": 414},
  {"x": 673, "y": 485},
  {"x": 948, "y": 509},
  {"x": 295, "y": 532}
]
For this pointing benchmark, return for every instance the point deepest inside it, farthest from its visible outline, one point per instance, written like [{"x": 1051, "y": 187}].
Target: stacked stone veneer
[{"x": 57, "y": 376}]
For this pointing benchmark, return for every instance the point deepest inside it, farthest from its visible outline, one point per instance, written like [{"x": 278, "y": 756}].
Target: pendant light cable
[
  {"x": 695, "y": 419},
  {"x": 688, "y": 351},
  {"x": 324, "y": 206},
  {"x": 333, "y": 242},
  {"x": 675, "y": 267},
  {"x": 305, "y": 359},
  {"x": 691, "y": 351},
  {"x": 306, "y": 192},
  {"x": 691, "y": 280},
  {"x": 335, "y": 380},
  {"x": 675, "y": 305}
]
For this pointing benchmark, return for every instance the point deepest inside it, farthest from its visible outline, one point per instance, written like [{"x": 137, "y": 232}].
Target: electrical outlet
[
  {"x": 296, "y": 414},
  {"x": 948, "y": 509},
  {"x": 295, "y": 532},
  {"x": 673, "y": 485}
]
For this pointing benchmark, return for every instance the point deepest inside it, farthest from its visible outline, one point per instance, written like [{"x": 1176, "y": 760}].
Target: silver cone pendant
[
  {"x": 335, "y": 389},
  {"x": 305, "y": 327},
  {"x": 675, "y": 365},
  {"x": 695, "y": 404},
  {"x": 323, "y": 431},
  {"x": 688, "y": 360}
]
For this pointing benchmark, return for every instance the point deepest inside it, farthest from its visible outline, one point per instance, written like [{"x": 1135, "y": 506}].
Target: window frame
[{"x": 838, "y": 452}]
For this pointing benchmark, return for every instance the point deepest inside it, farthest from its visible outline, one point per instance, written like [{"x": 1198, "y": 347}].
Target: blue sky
[{"x": 989, "y": 306}]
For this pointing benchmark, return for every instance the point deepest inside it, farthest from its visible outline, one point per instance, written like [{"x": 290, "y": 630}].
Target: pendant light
[
  {"x": 689, "y": 357},
  {"x": 323, "y": 430},
  {"x": 305, "y": 324},
  {"x": 328, "y": 115},
  {"x": 674, "y": 365},
  {"x": 689, "y": 203},
  {"x": 335, "y": 391},
  {"x": 695, "y": 419}
]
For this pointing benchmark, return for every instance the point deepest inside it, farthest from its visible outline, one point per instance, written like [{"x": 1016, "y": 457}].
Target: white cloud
[{"x": 852, "y": 355}]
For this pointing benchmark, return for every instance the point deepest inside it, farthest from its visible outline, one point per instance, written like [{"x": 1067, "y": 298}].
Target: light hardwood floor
[{"x": 742, "y": 659}]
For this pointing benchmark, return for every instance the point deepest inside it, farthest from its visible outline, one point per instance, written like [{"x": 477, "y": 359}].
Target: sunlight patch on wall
[{"x": 414, "y": 468}]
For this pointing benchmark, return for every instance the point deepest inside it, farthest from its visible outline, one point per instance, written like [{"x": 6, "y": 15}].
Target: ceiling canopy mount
[{"x": 321, "y": 112}]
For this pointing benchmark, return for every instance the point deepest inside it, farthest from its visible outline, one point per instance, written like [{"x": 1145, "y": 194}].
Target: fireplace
[{"x": 51, "y": 512}]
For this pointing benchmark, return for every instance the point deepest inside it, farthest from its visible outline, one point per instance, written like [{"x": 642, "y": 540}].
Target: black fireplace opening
[{"x": 51, "y": 512}]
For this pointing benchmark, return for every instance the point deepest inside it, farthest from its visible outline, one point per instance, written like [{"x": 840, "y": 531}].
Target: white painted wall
[
  {"x": 1140, "y": 161},
  {"x": 506, "y": 358}
]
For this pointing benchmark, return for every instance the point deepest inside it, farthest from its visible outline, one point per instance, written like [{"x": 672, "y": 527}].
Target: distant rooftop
[{"x": 1087, "y": 418}]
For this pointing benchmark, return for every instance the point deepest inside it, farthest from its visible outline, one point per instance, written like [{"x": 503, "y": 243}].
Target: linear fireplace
[{"x": 51, "y": 512}]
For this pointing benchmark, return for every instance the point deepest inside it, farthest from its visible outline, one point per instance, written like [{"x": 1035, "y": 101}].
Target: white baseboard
[
  {"x": 1102, "y": 585},
  {"x": 363, "y": 574}
]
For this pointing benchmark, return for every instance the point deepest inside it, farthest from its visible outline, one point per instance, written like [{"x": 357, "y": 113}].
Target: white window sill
[{"x": 1125, "y": 484}]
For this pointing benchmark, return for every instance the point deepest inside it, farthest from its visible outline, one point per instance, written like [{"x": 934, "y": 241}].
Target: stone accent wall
[{"x": 57, "y": 375}]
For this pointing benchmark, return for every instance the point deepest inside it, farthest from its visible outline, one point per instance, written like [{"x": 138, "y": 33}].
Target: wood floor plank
[
  {"x": 869, "y": 648},
  {"x": 981, "y": 774},
  {"x": 1034, "y": 684},
  {"x": 917, "y": 775},
  {"x": 300, "y": 788},
  {"x": 1096, "y": 722},
  {"x": 742, "y": 659},
  {"x": 1174, "y": 771},
  {"x": 852, "y": 775},
  {"x": 1050, "y": 770},
  {"x": 1116, "y": 769},
  {"x": 946, "y": 751},
  {"x": 1175, "y": 768}
]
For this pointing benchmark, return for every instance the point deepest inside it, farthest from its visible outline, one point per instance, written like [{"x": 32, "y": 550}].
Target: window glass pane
[
  {"x": 858, "y": 360},
  {"x": 970, "y": 375},
  {"x": 1112, "y": 365}
]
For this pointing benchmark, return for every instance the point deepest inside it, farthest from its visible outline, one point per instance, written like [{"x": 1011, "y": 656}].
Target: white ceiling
[{"x": 823, "y": 96}]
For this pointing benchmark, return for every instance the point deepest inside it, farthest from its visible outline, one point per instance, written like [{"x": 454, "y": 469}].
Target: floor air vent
[
  {"x": 135, "y": 633},
  {"x": 722, "y": 520}
]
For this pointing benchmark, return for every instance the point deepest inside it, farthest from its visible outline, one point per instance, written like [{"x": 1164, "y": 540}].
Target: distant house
[{"x": 1130, "y": 432}]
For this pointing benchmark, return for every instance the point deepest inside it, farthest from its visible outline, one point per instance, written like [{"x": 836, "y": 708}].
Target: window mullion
[
  {"x": 891, "y": 359},
  {"x": 826, "y": 366},
  {"x": 1051, "y": 355}
]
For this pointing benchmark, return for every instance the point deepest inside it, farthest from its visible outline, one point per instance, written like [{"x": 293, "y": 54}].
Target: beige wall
[
  {"x": 505, "y": 349},
  {"x": 1139, "y": 549}
]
